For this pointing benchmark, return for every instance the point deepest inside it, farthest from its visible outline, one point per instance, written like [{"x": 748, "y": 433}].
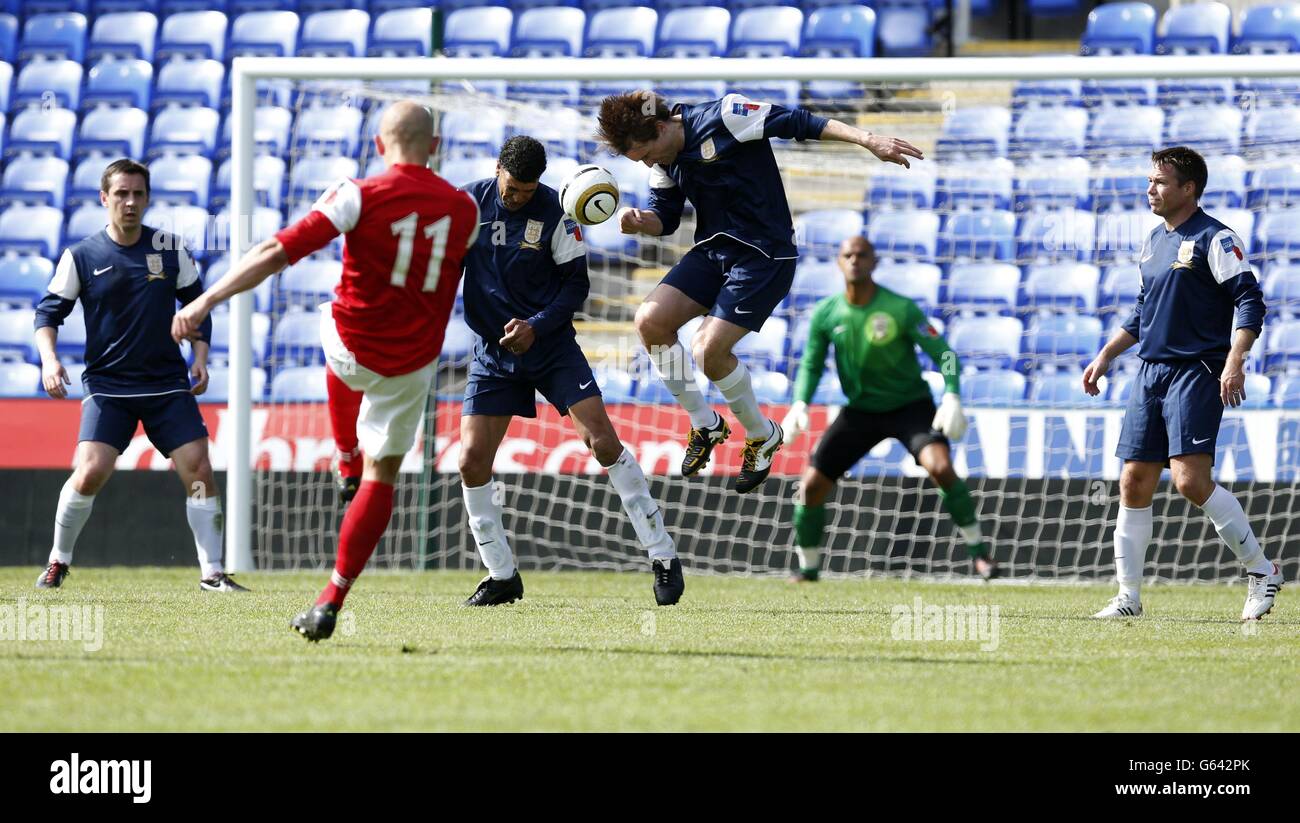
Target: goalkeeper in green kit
[{"x": 875, "y": 333}]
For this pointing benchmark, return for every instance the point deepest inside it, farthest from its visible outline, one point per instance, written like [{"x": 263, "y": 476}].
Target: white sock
[
  {"x": 739, "y": 392},
  {"x": 674, "y": 366},
  {"x": 205, "y": 521},
  {"x": 809, "y": 558},
  {"x": 1132, "y": 535},
  {"x": 647, "y": 520},
  {"x": 1234, "y": 529},
  {"x": 489, "y": 534},
  {"x": 972, "y": 534},
  {"x": 71, "y": 515}
]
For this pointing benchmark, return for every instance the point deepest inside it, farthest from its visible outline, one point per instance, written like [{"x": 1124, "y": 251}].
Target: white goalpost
[{"x": 1042, "y": 470}]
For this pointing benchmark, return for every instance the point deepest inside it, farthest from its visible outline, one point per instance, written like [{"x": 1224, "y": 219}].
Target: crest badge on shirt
[
  {"x": 1185, "y": 253},
  {"x": 533, "y": 235},
  {"x": 708, "y": 151},
  {"x": 154, "y": 263}
]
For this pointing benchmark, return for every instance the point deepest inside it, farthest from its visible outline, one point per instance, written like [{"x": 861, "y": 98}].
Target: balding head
[
  {"x": 406, "y": 134},
  {"x": 857, "y": 259}
]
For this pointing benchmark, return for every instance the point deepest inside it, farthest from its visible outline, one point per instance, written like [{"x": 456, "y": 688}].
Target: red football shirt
[{"x": 405, "y": 233}]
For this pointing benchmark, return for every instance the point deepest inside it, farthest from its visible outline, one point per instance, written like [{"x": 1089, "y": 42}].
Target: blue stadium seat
[
  {"x": 60, "y": 36},
  {"x": 24, "y": 280},
  {"x": 1272, "y": 131},
  {"x": 1126, "y": 130},
  {"x": 1274, "y": 186},
  {"x": 616, "y": 385},
  {"x": 1056, "y": 183},
  {"x": 1226, "y": 187},
  {"x": 6, "y": 85},
  {"x": 983, "y": 184},
  {"x": 112, "y": 132},
  {"x": 238, "y": 7},
  {"x": 693, "y": 32},
  {"x": 903, "y": 28},
  {"x": 838, "y": 31},
  {"x": 31, "y": 8},
  {"x": 481, "y": 32},
  {"x": 1050, "y": 131},
  {"x": 190, "y": 83},
  {"x": 549, "y": 32},
  {"x": 558, "y": 130},
  {"x": 49, "y": 81},
  {"x": 264, "y": 33},
  {"x": 167, "y": 8},
  {"x": 303, "y": 384},
  {"x": 1061, "y": 235},
  {"x": 917, "y": 281},
  {"x": 1119, "y": 234},
  {"x": 765, "y": 346},
  {"x": 38, "y": 181},
  {"x": 220, "y": 347},
  {"x": 119, "y": 83},
  {"x": 606, "y": 243},
  {"x": 184, "y": 179},
  {"x": 128, "y": 35},
  {"x": 1062, "y": 286},
  {"x": 813, "y": 280},
  {"x": 1207, "y": 129},
  {"x": 16, "y": 336},
  {"x": 335, "y": 33},
  {"x": 1259, "y": 391},
  {"x": 190, "y": 223},
  {"x": 1027, "y": 94},
  {"x": 194, "y": 34},
  {"x": 1196, "y": 28},
  {"x": 402, "y": 33},
  {"x": 1119, "y": 29},
  {"x": 263, "y": 297},
  {"x": 633, "y": 180},
  {"x": 1119, "y": 288},
  {"x": 622, "y": 32},
  {"x": 820, "y": 233},
  {"x": 987, "y": 342},
  {"x": 1124, "y": 91},
  {"x": 268, "y": 182},
  {"x": 178, "y": 130},
  {"x": 20, "y": 380},
  {"x": 1061, "y": 339},
  {"x": 1286, "y": 394},
  {"x": 904, "y": 234},
  {"x": 310, "y": 176},
  {"x": 43, "y": 131},
  {"x": 263, "y": 226},
  {"x": 1279, "y": 234},
  {"x": 86, "y": 220},
  {"x": 378, "y": 7},
  {"x": 1062, "y": 389},
  {"x": 310, "y": 283},
  {"x": 893, "y": 186},
  {"x": 983, "y": 234},
  {"x": 219, "y": 385},
  {"x": 468, "y": 132},
  {"x": 461, "y": 171},
  {"x": 295, "y": 340},
  {"x": 1282, "y": 290},
  {"x": 770, "y": 31},
  {"x": 771, "y": 387},
  {"x": 31, "y": 229},
  {"x": 271, "y": 128},
  {"x": 1198, "y": 91},
  {"x": 1121, "y": 184},
  {"x": 328, "y": 130},
  {"x": 985, "y": 288},
  {"x": 976, "y": 132},
  {"x": 1269, "y": 29},
  {"x": 1283, "y": 350},
  {"x": 8, "y": 38},
  {"x": 995, "y": 387}
]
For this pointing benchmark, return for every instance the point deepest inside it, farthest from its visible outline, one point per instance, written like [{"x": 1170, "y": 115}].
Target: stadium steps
[{"x": 1015, "y": 48}]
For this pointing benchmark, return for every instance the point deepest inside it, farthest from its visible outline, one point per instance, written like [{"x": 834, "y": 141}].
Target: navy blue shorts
[
  {"x": 1174, "y": 408},
  {"x": 564, "y": 377},
  {"x": 170, "y": 420},
  {"x": 739, "y": 283}
]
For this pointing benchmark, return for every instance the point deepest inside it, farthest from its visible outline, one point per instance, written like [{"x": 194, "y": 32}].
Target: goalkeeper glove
[
  {"x": 795, "y": 422},
  {"x": 950, "y": 419}
]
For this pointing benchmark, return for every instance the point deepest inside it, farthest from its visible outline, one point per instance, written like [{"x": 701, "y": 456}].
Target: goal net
[{"x": 1018, "y": 236}]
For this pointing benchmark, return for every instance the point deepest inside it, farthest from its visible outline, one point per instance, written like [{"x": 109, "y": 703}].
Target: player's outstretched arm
[
  {"x": 262, "y": 261},
  {"x": 887, "y": 149},
  {"x": 1117, "y": 345}
]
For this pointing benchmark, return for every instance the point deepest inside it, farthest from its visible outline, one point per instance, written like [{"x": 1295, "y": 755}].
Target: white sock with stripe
[
  {"x": 204, "y": 516},
  {"x": 69, "y": 518},
  {"x": 1132, "y": 536},
  {"x": 647, "y": 519},
  {"x": 489, "y": 535},
  {"x": 1234, "y": 530}
]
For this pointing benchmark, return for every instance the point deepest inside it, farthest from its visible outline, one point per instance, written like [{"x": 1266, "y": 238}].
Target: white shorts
[{"x": 391, "y": 407}]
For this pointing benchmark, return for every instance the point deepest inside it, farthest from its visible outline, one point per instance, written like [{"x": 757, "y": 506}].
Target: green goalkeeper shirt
[{"x": 875, "y": 351}]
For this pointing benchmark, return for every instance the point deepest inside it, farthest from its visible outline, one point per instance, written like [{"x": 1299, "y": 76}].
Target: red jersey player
[{"x": 405, "y": 232}]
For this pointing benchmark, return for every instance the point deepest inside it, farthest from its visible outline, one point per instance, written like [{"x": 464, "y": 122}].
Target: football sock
[
  {"x": 647, "y": 520},
  {"x": 809, "y": 525},
  {"x": 1132, "y": 535},
  {"x": 344, "y": 406},
  {"x": 674, "y": 366},
  {"x": 71, "y": 515},
  {"x": 490, "y": 536},
  {"x": 739, "y": 393},
  {"x": 364, "y": 523},
  {"x": 961, "y": 506},
  {"x": 1234, "y": 529},
  {"x": 205, "y": 521}
]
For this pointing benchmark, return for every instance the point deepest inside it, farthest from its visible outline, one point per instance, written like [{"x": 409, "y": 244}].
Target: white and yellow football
[{"x": 589, "y": 195}]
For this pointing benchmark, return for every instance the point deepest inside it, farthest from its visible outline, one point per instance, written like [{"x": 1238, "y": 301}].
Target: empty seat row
[{"x": 1194, "y": 28}]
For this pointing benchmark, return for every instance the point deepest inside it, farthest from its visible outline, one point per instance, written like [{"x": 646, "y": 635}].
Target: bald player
[{"x": 405, "y": 233}]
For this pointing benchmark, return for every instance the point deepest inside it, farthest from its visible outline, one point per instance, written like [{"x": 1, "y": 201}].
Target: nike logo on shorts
[
  {"x": 1199, "y": 442},
  {"x": 742, "y": 311},
  {"x": 582, "y": 386},
  {"x": 98, "y": 272}
]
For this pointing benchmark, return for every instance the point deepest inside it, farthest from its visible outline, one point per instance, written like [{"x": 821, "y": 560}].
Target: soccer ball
[{"x": 589, "y": 195}]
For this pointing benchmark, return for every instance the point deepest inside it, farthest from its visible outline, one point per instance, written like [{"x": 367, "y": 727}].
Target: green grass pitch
[{"x": 590, "y": 651}]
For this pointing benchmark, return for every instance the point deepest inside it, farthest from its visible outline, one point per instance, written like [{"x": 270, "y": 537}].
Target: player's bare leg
[
  {"x": 1192, "y": 477},
  {"x": 810, "y": 523},
  {"x": 936, "y": 459},
  {"x": 1137, "y": 486},
  {"x": 712, "y": 348},
  {"x": 203, "y": 511},
  {"x": 658, "y": 320},
  {"x": 591, "y": 422},
  {"x": 344, "y": 406},
  {"x": 95, "y": 464},
  {"x": 480, "y": 437}
]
